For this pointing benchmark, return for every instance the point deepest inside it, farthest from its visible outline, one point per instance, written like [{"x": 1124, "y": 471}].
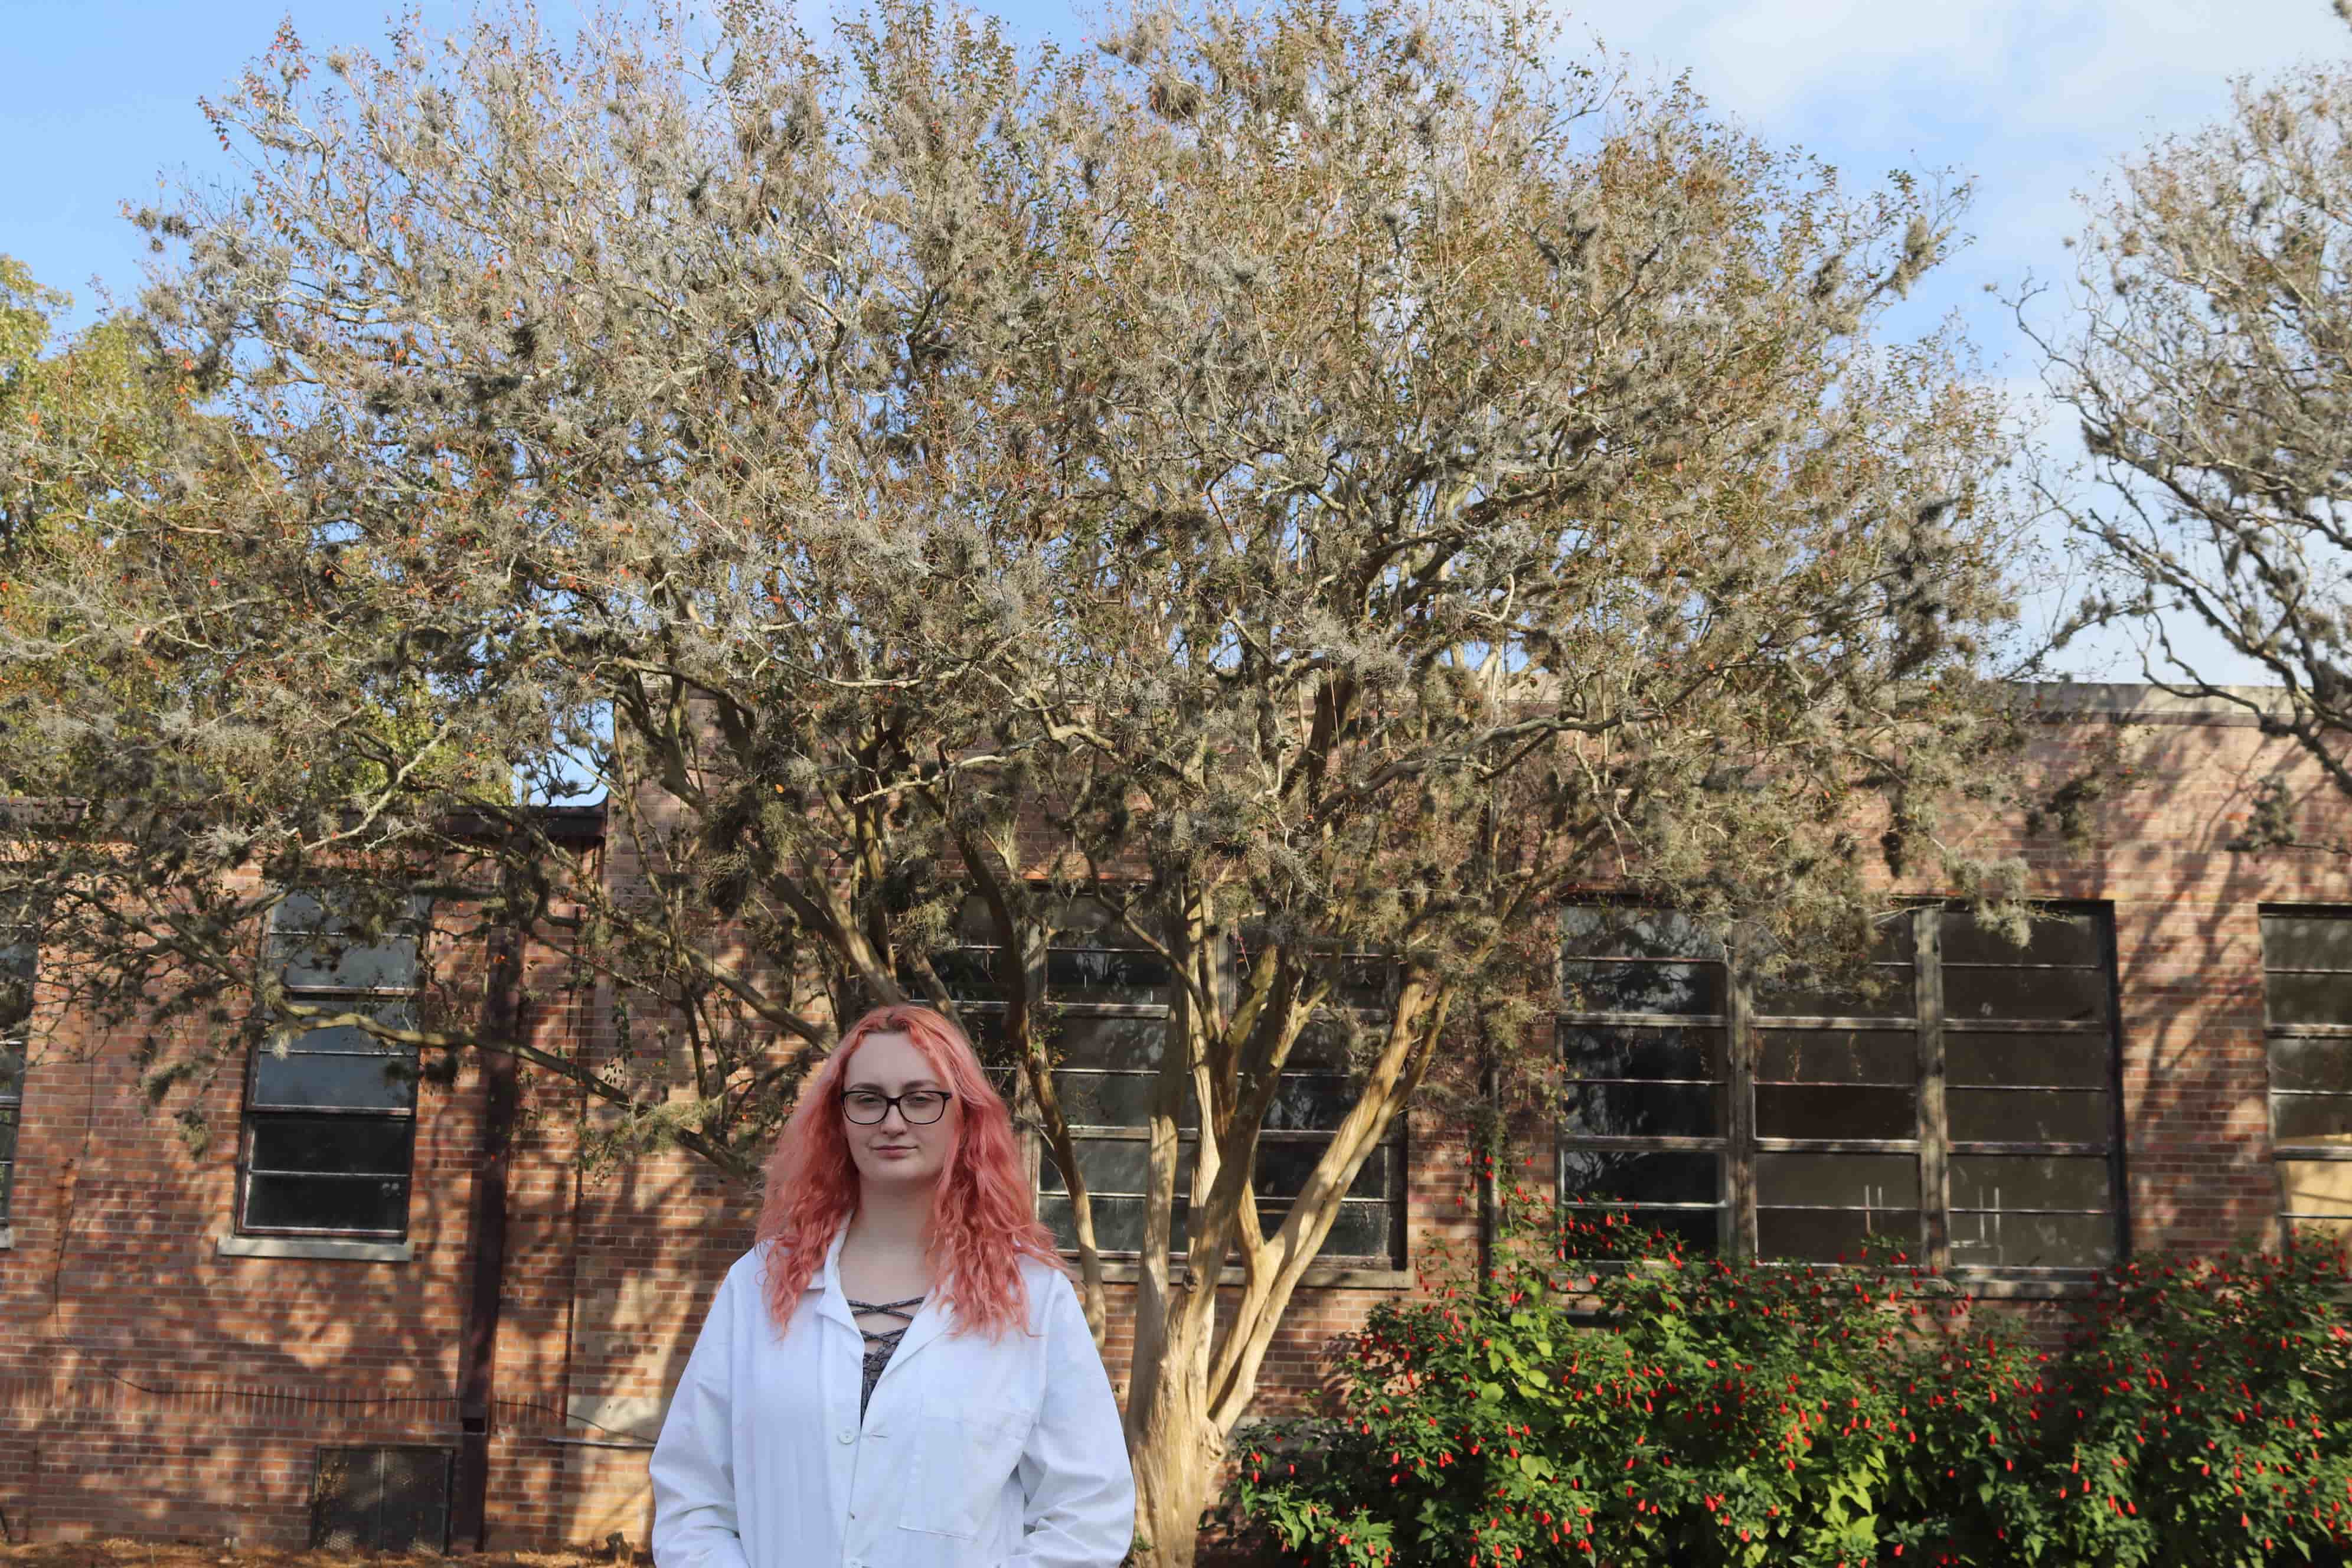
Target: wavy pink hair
[{"x": 984, "y": 1217}]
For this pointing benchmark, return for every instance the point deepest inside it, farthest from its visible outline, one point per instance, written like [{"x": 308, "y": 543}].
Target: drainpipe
[{"x": 487, "y": 1228}]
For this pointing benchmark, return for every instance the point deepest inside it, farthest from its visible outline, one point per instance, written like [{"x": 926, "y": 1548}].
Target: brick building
[{"x": 365, "y": 1315}]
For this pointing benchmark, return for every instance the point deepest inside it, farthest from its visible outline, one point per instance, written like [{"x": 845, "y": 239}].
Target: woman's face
[{"x": 894, "y": 1151}]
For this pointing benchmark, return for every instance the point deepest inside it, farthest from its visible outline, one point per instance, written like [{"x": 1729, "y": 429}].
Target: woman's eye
[{"x": 920, "y": 1102}]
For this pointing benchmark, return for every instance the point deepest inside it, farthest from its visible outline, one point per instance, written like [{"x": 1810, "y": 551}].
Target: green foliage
[{"x": 1660, "y": 1408}]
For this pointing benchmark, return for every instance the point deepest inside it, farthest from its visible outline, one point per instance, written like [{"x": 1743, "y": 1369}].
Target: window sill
[
  {"x": 324, "y": 1246},
  {"x": 1318, "y": 1276}
]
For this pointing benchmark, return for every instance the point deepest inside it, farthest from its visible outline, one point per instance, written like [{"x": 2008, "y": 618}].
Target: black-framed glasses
[{"x": 918, "y": 1107}]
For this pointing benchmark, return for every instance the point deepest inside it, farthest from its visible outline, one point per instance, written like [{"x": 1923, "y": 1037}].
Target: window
[
  {"x": 1109, "y": 1008},
  {"x": 1957, "y": 1103},
  {"x": 2307, "y": 1000},
  {"x": 17, "y": 963},
  {"x": 330, "y": 1118}
]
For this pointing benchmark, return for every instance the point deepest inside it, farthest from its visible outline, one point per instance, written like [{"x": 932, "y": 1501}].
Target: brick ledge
[{"x": 315, "y": 1246}]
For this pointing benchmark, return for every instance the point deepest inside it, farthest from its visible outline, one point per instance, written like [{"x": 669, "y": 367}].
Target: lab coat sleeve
[
  {"x": 1080, "y": 1506},
  {"x": 694, "y": 1460}
]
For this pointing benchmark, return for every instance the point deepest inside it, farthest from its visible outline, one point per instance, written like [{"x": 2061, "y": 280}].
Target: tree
[
  {"x": 1300, "y": 493},
  {"x": 2206, "y": 358}
]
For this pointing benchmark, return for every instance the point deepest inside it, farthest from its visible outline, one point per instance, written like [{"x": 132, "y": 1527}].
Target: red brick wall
[{"x": 150, "y": 1387}]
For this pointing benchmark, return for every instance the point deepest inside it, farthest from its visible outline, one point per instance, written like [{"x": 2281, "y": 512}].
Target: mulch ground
[{"x": 146, "y": 1554}]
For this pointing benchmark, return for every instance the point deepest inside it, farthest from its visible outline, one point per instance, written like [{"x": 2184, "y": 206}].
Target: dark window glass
[
  {"x": 2307, "y": 942},
  {"x": 2026, "y": 1116},
  {"x": 2324, "y": 1119},
  {"x": 2320, "y": 1065},
  {"x": 1640, "y": 1176},
  {"x": 330, "y": 1119},
  {"x": 1619, "y": 930},
  {"x": 1885, "y": 992},
  {"x": 1687, "y": 989},
  {"x": 1631, "y": 1051},
  {"x": 1840, "y": 1055},
  {"x": 2309, "y": 998},
  {"x": 1283, "y": 1167},
  {"x": 2014, "y": 1182},
  {"x": 2041, "y": 995},
  {"x": 1596, "y": 1109},
  {"x": 1836, "y": 1110},
  {"x": 346, "y": 1204},
  {"x": 1118, "y": 1223},
  {"x": 1114, "y": 1099},
  {"x": 2071, "y": 941},
  {"x": 1359, "y": 1230},
  {"x": 2056, "y": 1061},
  {"x": 1871, "y": 1181},
  {"x": 1116, "y": 1165},
  {"x": 1831, "y": 1235},
  {"x": 2007, "y": 1240}
]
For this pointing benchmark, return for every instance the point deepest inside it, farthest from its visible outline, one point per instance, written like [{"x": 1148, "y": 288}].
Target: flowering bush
[{"x": 1679, "y": 1410}]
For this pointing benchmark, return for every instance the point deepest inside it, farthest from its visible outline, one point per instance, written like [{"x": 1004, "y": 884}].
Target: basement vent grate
[{"x": 380, "y": 1500}]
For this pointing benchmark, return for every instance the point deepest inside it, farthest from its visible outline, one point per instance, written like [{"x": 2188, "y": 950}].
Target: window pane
[
  {"x": 1282, "y": 1168},
  {"x": 2055, "y": 1059},
  {"x": 1841, "y": 1056},
  {"x": 1306, "y": 1103},
  {"x": 2032, "y": 1240},
  {"x": 1359, "y": 1230},
  {"x": 2069, "y": 940},
  {"x": 1888, "y": 991},
  {"x": 373, "y": 1082},
  {"x": 1085, "y": 1042},
  {"x": 1628, "y": 1176},
  {"x": 1815, "y": 1111},
  {"x": 1634, "y": 1232},
  {"x": 2324, "y": 1065},
  {"x": 2309, "y": 998},
  {"x": 1595, "y": 1109},
  {"x": 2028, "y": 1182},
  {"x": 1831, "y": 1235},
  {"x": 349, "y": 1039},
  {"x": 1642, "y": 1052},
  {"x": 1620, "y": 931},
  {"x": 1105, "y": 974},
  {"x": 1586, "y": 986},
  {"x": 1118, "y": 1223},
  {"x": 2026, "y": 1116},
  {"x": 1839, "y": 1181},
  {"x": 344, "y": 1145},
  {"x": 2312, "y": 1118},
  {"x": 1114, "y": 1099},
  {"x": 1115, "y": 1165},
  {"x": 2316, "y": 1187},
  {"x": 1336, "y": 1039},
  {"x": 12, "y": 1077},
  {"x": 329, "y": 962},
  {"x": 327, "y": 1203},
  {"x": 2078, "y": 995},
  {"x": 2307, "y": 942}
]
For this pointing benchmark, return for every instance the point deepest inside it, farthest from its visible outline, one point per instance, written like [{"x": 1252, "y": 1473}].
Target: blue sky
[{"x": 2033, "y": 100}]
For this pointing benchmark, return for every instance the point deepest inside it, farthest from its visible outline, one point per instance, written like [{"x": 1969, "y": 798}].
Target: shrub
[{"x": 1660, "y": 1408}]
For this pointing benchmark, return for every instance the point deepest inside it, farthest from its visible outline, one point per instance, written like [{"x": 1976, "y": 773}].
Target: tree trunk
[{"x": 1179, "y": 1457}]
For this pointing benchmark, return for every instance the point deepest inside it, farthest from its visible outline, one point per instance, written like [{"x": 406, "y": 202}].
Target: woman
[{"x": 898, "y": 1376}]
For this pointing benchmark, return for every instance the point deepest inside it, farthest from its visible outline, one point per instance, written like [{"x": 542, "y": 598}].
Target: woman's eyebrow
[{"x": 885, "y": 1088}]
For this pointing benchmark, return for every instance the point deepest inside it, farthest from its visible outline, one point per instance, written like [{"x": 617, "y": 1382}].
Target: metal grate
[{"x": 380, "y": 1500}]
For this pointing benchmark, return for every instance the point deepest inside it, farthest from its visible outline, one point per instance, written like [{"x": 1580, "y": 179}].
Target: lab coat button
[{"x": 847, "y": 1435}]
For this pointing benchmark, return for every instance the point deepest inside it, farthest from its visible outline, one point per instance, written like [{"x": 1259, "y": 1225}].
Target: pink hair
[{"x": 984, "y": 1217}]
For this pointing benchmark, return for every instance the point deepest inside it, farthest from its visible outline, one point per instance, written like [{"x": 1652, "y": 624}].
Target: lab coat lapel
[
  {"x": 930, "y": 1321},
  {"x": 830, "y": 1302}
]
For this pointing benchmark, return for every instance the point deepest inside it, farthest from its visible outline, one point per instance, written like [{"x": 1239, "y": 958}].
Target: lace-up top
[{"x": 881, "y": 1343}]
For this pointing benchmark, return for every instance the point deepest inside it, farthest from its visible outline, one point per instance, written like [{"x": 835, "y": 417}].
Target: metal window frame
[
  {"x": 253, "y": 1115},
  {"x": 12, "y": 1094},
  {"x": 2283, "y": 1151},
  {"x": 1741, "y": 1146}
]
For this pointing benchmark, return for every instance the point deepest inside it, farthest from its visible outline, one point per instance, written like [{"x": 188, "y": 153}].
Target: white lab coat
[{"x": 975, "y": 1452}]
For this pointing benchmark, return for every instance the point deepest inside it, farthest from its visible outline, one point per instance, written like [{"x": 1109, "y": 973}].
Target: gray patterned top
[{"x": 880, "y": 1345}]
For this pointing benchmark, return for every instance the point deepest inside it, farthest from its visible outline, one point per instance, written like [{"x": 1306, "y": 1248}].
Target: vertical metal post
[{"x": 1935, "y": 1180}]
